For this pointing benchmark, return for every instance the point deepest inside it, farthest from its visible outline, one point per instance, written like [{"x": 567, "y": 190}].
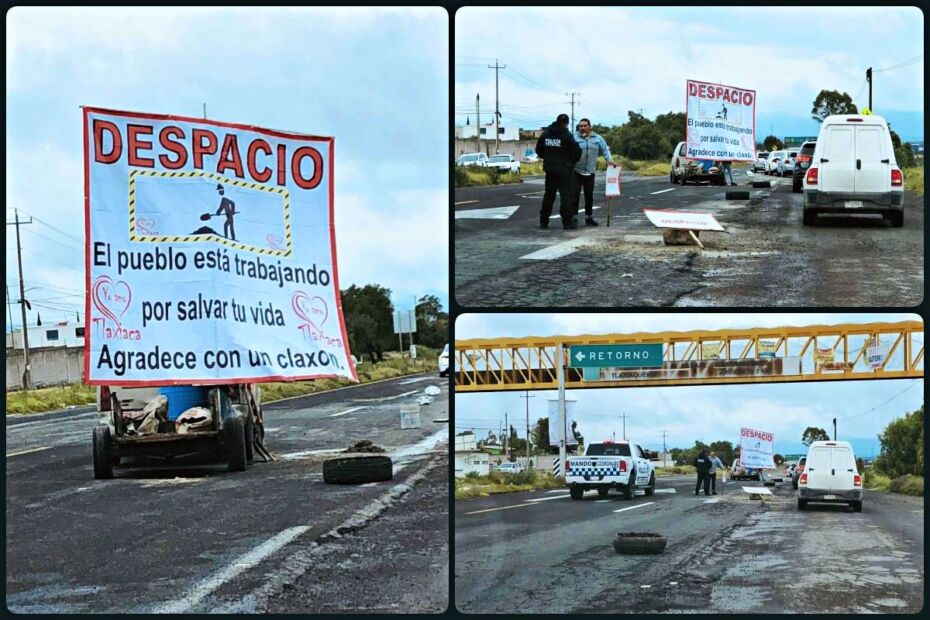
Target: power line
[
  {"x": 873, "y": 408},
  {"x": 900, "y": 65}
]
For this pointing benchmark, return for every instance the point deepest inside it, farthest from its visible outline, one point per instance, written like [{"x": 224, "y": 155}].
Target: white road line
[
  {"x": 240, "y": 565},
  {"x": 710, "y": 501},
  {"x": 662, "y": 191},
  {"x": 636, "y": 506},
  {"x": 9, "y": 454},
  {"x": 558, "y": 250},
  {"x": 494, "y": 213},
  {"x": 557, "y": 216},
  {"x": 671, "y": 490},
  {"x": 556, "y": 491},
  {"x": 466, "y": 202},
  {"x": 55, "y": 421},
  {"x": 478, "y": 512},
  {"x": 341, "y": 413},
  {"x": 384, "y": 398},
  {"x": 546, "y": 499},
  {"x": 601, "y": 501},
  {"x": 416, "y": 380}
]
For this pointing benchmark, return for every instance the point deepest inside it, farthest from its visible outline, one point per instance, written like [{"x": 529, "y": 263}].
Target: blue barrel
[{"x": 183, "y": 397}]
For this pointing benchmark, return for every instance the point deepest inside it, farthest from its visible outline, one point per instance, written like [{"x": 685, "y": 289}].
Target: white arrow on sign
[{"x": 579, "y": 356}]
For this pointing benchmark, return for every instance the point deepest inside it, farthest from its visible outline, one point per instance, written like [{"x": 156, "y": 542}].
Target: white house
[
  {"x": 63, "y": 334},
  {"x": 468, "y": 458},
  {"x": 506, "y": 132}
]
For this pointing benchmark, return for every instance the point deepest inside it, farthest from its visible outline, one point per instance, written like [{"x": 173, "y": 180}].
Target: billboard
[
  {"x": 721, "y": 122},
  {"x": 756, "y": 449},
  {"x": 703, "y": 369},
  {"x": 210, "y": 253}
]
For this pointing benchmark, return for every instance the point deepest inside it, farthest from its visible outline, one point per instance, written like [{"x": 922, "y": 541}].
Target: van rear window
[{"x": 608, "y": 449}]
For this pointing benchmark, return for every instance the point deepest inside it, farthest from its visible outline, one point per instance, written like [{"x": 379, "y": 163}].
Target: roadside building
[
  {"x": 63, "y": 334},
  {"x": 468, "y": 459}
]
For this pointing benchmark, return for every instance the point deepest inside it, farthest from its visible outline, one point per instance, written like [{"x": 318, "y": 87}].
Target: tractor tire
[
  {"x": 357, "y": 470},
  {"x": 639, "y": 543},
  {"x": 234, "y": 442},
  {"x": 103, "y": 453}
]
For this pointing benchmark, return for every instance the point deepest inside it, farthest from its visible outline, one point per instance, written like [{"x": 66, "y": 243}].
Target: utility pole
[
  {"x": 624, "y": 416},
  {"x": 9, "y": 307},
  {"x": 868, "y": 77},
  {"x": 478, "y": 122},
  {"x": 834, "y": 429},
  {"x": 497, "y": 110},
  {"x": 27, "y": 372},
  {"x": 528, "y": 397},
  {"x": 664, "y": 449},
  {"x": 506, "y": 436},
  {"x": 572, "y": 128}
]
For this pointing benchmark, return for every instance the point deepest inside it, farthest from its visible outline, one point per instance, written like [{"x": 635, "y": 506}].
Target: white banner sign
[
  {"x": 555, "y": 432},
  {"x": 721, "y": 122},
  {"x": 211, "y": 253},
  {"x": 876, "y": 352},
  {"x": 684, "y": 220},
  {"x": 756, "y": 449},
  {"x": 613, "y": 182}
]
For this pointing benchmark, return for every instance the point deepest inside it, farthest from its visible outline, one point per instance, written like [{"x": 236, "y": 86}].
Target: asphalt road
[
  {"x": 192, "y": 537},
  {"x": 767, "y": 257},
  {"x": 541, "y": 552}
]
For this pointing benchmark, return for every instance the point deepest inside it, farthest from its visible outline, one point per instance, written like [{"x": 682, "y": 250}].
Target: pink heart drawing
[
  {"x": 145, "y": 226},
  {"x": 112, "y": 300},
  {"x": 313, "y": 310}
]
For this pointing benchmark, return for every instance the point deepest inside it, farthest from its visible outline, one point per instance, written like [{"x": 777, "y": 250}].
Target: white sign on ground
[
  {"x": 612, "y": 189},
  {"x": 211, "y": 253},
  {"x": 756, "y": 449},
  {"x": 721, "y": 122},
  {"x": 683, "y": 220},
  {"x": 555, "y": 432}
]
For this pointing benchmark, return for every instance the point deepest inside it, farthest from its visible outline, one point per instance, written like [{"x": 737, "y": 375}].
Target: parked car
[
  {"x": 472, "y": 159},
  {"x": 684, "y": 169},
  {"x": 798, "y": 470},
  {"x": 621, "y": 465},
  {"x": 789, "y": 468},
  {"x": 738, "y": 472},
  {"x": 444, "y": 361},
  {"x": 786, "y": 165},
  {"x": 801, "y": 164},
  {"x": 504, "y": 163},
  {"x": 759, "y": 164},
  {"x": 830, "y": 476},
  {"x": 771, "y": 164},
  {"x": 509, "y": 468},
  {"x": 854, "y": 170}
]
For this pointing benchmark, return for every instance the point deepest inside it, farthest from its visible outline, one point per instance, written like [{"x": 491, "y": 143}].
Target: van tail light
[
  {"x": 803, "y": 480},
  {"x": 857, "y": 480},
  {"x": 622, "y": 466},
  {"x": 105, "y": 403},
  {"x": 897, "y": 179},
  {"x": 811, "y": 178}
]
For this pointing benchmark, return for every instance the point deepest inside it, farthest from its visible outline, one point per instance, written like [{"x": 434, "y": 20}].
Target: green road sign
[
  {"x": 798, "y": 141},
  {"x": 616, "y": 356}
]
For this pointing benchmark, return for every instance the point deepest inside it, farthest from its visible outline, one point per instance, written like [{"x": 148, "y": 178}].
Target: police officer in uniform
[
  {"x": 702, "y": 464},
  {"x": 559, "y": 152}
]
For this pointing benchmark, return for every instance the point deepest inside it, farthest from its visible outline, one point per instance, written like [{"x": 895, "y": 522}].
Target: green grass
[
  {"x": 914, "y": 180},
  {"x": 676, "y": 470},
  {"x": 470, "y": 176},
  {"x": 653, "y": 169},
  {"x": 531, "y": 169},
  {"x": 907, "y": 484},
  {"x": 878, "y": 482},
  {"x": 50, "y": 399},
  {"x": 496, "y": 482}
]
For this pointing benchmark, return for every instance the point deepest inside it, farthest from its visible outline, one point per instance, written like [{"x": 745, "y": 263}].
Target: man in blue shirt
[{"x": 591, "y": 145}]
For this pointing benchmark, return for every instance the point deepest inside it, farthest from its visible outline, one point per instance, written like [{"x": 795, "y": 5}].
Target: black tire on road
[
  {"x": 636, "y": 543},
  {"x": 651, "y": 489},
  {"x": 234, "y": 443},
  {"x": 897, "y": 219},
  {"x": 761, "y": 184},
  {"x": 856, "y": 506},
  {"x": 629, "y": 491},
  {"x": 249, "y": 438},
  {"x": 738, "y": 194},
  {"x": 576, "y": 492},
  {"x": 802, "y": 504},
  {"x": 810, "y": 217},
  {"x": 357, "y": 470},
  {"x": 796, "y": 187},
  {"x": 103, "y": 453},
  {"x": 603, "y": 491}
]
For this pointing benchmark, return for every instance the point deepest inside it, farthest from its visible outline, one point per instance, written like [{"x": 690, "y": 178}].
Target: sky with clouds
[
  {"x": 628, "y": 58},
  {"x": 375, "y": 79},
  {"x": 691, "y": 413}
]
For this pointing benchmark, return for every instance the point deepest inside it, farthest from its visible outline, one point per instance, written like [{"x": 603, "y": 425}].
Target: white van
[
  {"x": 853, "y": 170},
  {"x": 830, "y": 475}
]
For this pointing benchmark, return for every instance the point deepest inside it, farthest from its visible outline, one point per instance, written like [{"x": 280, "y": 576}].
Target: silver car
[{"x": 786, "y": 165}]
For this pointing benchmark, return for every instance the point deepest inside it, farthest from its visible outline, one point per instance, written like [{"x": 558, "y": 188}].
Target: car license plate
[
  {"x": 853, "y": 204},
  {"x": 829, "y": 496}
]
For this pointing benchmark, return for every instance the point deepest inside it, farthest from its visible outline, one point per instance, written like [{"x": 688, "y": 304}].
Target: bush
[
  {"x": 873, "y": 480},
  {"x": 914, "y": 180},
  {"x": 908, "y": 485}
]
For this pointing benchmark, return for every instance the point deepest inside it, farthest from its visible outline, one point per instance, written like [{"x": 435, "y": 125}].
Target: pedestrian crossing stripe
[{"x": 284, "y": 193}]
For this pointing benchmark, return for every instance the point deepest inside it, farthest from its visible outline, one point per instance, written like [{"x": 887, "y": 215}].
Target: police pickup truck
[{"x": 611, "y": 465}]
